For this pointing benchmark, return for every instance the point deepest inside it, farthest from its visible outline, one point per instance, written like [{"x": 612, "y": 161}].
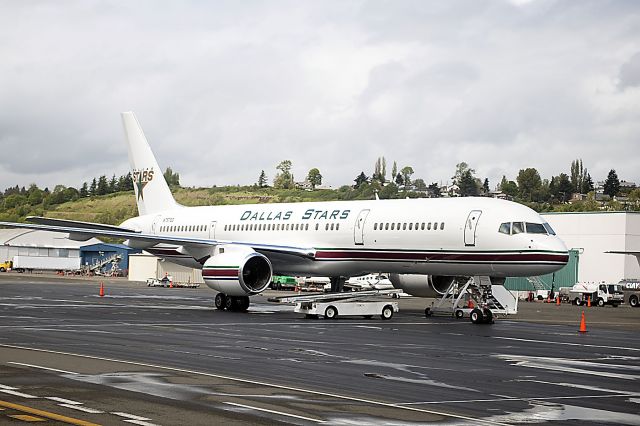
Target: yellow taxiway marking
[
  {"x": 28, "y": 418},
  {"x": 47, "y": 414}
]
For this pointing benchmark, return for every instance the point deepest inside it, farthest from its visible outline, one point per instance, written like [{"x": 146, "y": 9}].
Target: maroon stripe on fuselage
[{"x": 455, "y": 257}]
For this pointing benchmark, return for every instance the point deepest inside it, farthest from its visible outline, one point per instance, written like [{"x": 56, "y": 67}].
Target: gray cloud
[{"x": 225, "y": 89}]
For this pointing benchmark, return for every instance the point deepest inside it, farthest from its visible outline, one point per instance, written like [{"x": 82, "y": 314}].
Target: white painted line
[
  {"x": 585, "y": 387},
  {"x": 280, "y": 413},
  {"x": 42, "y": 367},
  {"x": 136, "y": 420},
  {"x": 64, "y": 401},
  {"x": 16, "y": 393},
  {"x": 81, "y": 408},
  {"x": 7, "y": 387},
  {"x": 585, "y": 345},
  {"x": 272, "y": 385},
  {"x": 541, "y": 398}
]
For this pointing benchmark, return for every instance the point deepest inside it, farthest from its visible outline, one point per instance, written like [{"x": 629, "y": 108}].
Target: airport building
[{"x": 608, "y": 243}]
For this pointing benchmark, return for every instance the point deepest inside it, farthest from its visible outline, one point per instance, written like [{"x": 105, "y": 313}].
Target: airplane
[{"x": 424, "y": 244}]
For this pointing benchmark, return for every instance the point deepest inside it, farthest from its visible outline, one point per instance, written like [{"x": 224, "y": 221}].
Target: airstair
[
  {"x": 96, "y": 267},
  {"x": 477, "y": 296}
]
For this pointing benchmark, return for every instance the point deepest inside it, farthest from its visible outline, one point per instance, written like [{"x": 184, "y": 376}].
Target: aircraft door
[
  {"x": 358, "y": 229},
  {"x": 212, "y": 230},
  {"x": 470, "y": 227},
  {"x": 155, "y": 226}
]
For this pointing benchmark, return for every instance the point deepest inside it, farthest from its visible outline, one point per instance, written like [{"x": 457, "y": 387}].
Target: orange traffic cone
[
  {"x": 557, "y": 300},
  {"x": 583, "y": 324},
  {"x": 101, "y": 290},
  {"x": 588, "y": 301}
]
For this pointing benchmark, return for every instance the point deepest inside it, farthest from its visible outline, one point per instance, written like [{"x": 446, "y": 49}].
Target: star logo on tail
[{"x": 140, "y": 179}]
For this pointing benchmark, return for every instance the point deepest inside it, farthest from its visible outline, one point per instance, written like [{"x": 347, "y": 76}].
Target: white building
[
  {"x": 596, "y": 235},
  {"x": 144, "y": 265},
  {"x": 41, "y": 247}
]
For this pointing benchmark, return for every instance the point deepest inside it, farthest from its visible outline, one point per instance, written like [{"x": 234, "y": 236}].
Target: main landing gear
[{"x": 232, "y": 303}]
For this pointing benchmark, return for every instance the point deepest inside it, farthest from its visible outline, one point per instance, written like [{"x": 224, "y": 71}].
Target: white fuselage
[{"x": 436, "y": 236}]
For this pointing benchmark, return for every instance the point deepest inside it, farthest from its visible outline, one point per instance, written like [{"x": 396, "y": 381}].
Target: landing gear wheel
[
  {"x": 427, "y": 312},
  {"x": 476, "y": 316},
  {"x": 633, "y": 301},
  {"x": 387, "y": 312},
  {"x": 243, "y": 303},
  {"x": 600, "y": 302},
  {"x": 488, "y": 316},
  {"x": 459, "y": 313},
  {"x": 331, "y": 313},
  {"x": 577, "y": 301},
  {"x": 228, "y": 303},
  {"x": 220, "y": 301}
]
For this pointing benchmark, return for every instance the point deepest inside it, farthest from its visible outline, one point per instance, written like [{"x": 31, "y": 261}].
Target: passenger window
[
  {"x": 435, "y": 226},
  {"x": 386, "y": 226},
  {"x": 404, "y": 226},
  {"x": 429, "y": 226},
  {"x": 337, "y": 226},
  {"x": 375, "y": 226},
  {"x": 442, "y": 226},
  {"x": 332, "y": 226},
  {"x": 398, "y": 226},
  {"x": 306, "y": 227},
  {"x": 505, "y": 228},
  {"x": 393, "y": 225},
  {"x": 410, "y": 226},
  {"x": 422, "y": 226},
  {"x": 517, "y": 228},
  {"x": 326, "y": 227},
  {"x": 317, "y": 226}
]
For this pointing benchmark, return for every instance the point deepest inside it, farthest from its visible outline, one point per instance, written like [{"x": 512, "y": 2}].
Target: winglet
[{"x": 151, "y": 189}]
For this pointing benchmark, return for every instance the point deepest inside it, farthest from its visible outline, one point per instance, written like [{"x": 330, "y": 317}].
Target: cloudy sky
[{"x": 224, "y": 89}]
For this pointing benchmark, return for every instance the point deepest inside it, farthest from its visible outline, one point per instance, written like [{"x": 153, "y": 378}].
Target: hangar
[{"x": 608, "y": 243}]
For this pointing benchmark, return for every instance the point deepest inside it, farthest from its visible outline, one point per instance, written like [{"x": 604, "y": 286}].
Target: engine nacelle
[
  {"x": 237, "y": 271},
  {"x": 422, "y": 285}
]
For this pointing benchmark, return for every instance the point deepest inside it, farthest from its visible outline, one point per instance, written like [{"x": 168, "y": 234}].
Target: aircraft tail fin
[{"x": 151, "y": 189}]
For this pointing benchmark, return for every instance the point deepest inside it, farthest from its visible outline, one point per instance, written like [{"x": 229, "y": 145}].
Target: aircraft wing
[{"x": 82, "y": 231}]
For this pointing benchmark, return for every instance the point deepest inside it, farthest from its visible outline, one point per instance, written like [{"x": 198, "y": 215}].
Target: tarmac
[{"x": 164, "y": 356}]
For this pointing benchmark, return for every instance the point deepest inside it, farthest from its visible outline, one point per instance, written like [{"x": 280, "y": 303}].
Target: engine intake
[
  {"x": 422, "y": 285},
  {"x": 237, "y": 271}
]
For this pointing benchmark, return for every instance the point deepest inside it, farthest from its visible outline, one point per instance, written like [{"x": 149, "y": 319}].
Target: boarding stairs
[
  {"x": 97, "y": 266},
  {"x": 479, "y": 290},
  {"x": 537, "y": 283}
]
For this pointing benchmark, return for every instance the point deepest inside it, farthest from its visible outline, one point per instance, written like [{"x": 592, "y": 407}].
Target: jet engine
[
  {"x": 237, "y": 271},
  {"x": 422, "y": 285}
]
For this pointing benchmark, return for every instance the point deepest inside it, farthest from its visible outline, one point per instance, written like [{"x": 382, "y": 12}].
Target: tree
[
  {"x": 399, "y": 179},
  {"x": 561, "y": 187},
  {"x": 314, "y": 177},
  {"x": 262, "y": 179},
  {"x": 419, "y": 185},
  {"x": 360, "y": 180},
  {"x": 113, "y": 185},
  {"x": 587, "y": 184},
  {"x": 173, "y": 179},
  {"x": 284, "y": 179},
  {"x": 529, "y": 183},
  {"x": 103, "y": 186},
  {"x": 467, "y": 184},
  {"x": 394, "y": 170},
  {"x": 461, "y": 169},
  {"x": 406, "y": 173},
  {"x": 612, "y": 184},
  {"x": 485, "y": 186},
  {"x": 508, "y": 187},
  {"x": 434, "y": 190},
  {"x": 93, "y": 188},
  {"x": 84, "y": 190}
]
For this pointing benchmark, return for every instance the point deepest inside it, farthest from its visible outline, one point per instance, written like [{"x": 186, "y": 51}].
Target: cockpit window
[
  {"x": 517, "y": 228},
  {"x": 505, "y": 228},
  {"x": 535, "y": 228},
  {"x": 549, "y": 228}
]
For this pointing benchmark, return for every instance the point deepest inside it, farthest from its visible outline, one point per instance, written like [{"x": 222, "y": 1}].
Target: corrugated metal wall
[{"x": 565, "y": 277}]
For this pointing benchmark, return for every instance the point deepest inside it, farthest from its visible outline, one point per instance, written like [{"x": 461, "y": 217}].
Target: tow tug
[{"x": 332, "y": 305}]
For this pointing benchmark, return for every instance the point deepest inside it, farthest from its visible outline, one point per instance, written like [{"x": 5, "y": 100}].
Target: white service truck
[{"x": 599, "y": 294}]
